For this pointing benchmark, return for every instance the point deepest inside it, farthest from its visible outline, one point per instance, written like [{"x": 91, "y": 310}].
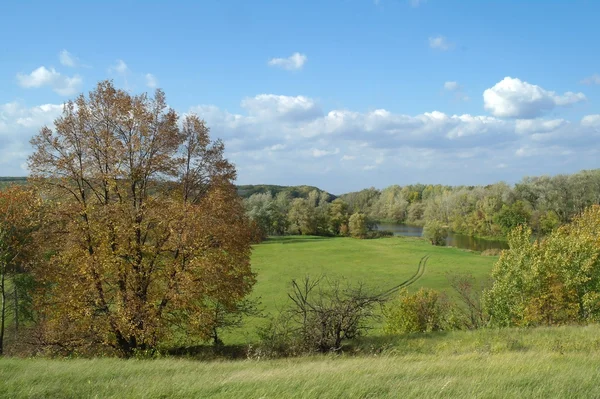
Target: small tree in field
[{"x": 144, "y": 227}]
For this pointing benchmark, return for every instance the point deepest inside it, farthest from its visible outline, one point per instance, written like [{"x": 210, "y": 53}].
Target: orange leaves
[{"x": 145, "y": 224}]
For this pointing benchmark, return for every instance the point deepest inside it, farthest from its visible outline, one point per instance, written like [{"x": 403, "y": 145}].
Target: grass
[
  {"x": 536, "y": 363},
  {"x": 380, "y": 264}
]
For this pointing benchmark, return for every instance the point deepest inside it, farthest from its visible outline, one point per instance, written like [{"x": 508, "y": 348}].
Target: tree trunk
[{"x": 16, "y": 299}]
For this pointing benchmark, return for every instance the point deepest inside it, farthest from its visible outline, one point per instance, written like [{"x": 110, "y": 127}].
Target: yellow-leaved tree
[{"x": 143, "y": 231}]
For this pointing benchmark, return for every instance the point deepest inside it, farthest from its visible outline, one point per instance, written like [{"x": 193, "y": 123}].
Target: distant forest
[{"x": 542, "y": 203}]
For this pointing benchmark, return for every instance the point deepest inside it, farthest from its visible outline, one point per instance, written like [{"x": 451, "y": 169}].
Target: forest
[{"x": 541, "y": 203}]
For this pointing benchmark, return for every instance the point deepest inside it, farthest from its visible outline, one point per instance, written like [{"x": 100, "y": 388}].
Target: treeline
[
  {"x": 316, "y": 214},
  {"x": 541, "y": 203}
]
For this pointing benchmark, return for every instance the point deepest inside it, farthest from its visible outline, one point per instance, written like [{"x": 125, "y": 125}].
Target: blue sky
[{"x": 339, "y": 94}]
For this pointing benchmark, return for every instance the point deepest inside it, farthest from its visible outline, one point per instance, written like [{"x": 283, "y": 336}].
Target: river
[{"x": 453, "y": 239}]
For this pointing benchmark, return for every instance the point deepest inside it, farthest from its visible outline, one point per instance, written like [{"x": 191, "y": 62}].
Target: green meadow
[{"x": 380, "y": 264}]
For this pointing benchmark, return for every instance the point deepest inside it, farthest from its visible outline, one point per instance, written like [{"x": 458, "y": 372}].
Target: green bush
[
  {"x": 435, "y": 232},
  {"x": 424, "y": 311}
]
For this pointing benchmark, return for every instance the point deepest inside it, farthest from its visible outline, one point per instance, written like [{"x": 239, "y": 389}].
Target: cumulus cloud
[
  {"x": 42, "y": 76},
  {"x": 591, "y": 80},
  {"x": 294, "y": 62},
  {"x": 151, "y": 81},
  {"x": 514, "y": 98},
  {"x": 440, "y": 43},
  {"x": 68, "y": 59},
  {"x": 282, "y": 107},
  {"x": 292, "y": 140},
  {"x": 119, "y": 67},
  {"x": 18, "y": 124}
]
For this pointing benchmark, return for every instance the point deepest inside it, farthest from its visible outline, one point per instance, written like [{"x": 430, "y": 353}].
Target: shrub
[
  {"x": 435, "y": 232},
  {"x": 424, "y": 311},
  {"x": 379, "y": 234},
  {"x": 491, "y": 252},
  {"x": 322, "y": 314}
]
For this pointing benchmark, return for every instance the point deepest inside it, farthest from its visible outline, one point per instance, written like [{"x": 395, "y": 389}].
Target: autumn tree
[
  {"x": 145, "y": 230},
  {"x": 18, "y": 207},
  {"x": 551, "y": 281}
]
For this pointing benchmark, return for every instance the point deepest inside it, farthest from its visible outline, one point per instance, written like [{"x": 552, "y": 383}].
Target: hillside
[{"x": 246, "y": 191}]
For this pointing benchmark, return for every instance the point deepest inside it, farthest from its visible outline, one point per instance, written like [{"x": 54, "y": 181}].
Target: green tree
[
  {"x": 358, "y": 225},
  {"x": 435, "y": 232},
  {"x": 552, "y": 281},
  {"x": 338, "y": 215}
]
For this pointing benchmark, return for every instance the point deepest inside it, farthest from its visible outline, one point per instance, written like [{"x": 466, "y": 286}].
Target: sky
[{"x": 339, "y": 94}]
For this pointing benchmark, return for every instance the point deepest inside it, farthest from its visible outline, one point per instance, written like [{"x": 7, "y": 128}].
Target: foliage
[
  {"x": 552, "y": 281},
  {"x": 143, "y": 223},
  {"x": 357, "y": 225},
  {"x": 435, "y": 232},
  {"x": 424, "y": 311},
  {"x": 18, "y": 215}
]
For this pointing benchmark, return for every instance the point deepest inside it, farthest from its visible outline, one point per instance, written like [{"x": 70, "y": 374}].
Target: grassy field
[
  {"x": 380, "y": 264},
  {"x": 561, "y": 362}
]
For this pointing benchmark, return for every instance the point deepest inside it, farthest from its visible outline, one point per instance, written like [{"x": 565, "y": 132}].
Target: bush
[
  {"x": 322, "y": 314},
  {"x": 424, "y": 311},
  {"x": 491, "y": 252},
  {"x": 435, "y": 233},
  {"x": 379, "y": 234}
]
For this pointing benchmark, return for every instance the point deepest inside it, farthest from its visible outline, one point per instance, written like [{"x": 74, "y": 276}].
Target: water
[{"x": 453, "y": 239}]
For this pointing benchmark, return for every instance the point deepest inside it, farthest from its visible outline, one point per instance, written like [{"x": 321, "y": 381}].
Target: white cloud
[
  {"x": 592, "y": 80},
  {"x": 282, "y": 107},
  {"x": 514, "y": 98},
  {"x": 440, "y": 43},
  {"x": 119, "y": 67},
  {"x": 294, "y": 62},
  {"x": 591, "y": 121},
  {"x": 317, "y": 153},
  {"x": 292, "y": 140},
  {"x": 151, "y": 81},
  {"x": 452, "y": 86},
  {"x": 18, "y": 124},
  {"x": 42, "y": 76},
  {"x": 68, "y": 59}
]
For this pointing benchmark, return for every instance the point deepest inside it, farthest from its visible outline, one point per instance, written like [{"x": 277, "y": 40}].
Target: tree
[
  {"x": 18, "y": 206},
  {"x": 552, "y": 281},
  {"x": 357, "y": 225},
  {"x": 424, "y": 311},
  {"x": 338, "y": 215},
  {"x": 144, "y": 224},
  {"x": 435, "y": 232},
  {"x": 302, "y": 217}
]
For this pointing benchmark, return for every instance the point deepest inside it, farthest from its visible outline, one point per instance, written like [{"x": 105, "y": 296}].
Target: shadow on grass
[{"x": 294, "y": 239}]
